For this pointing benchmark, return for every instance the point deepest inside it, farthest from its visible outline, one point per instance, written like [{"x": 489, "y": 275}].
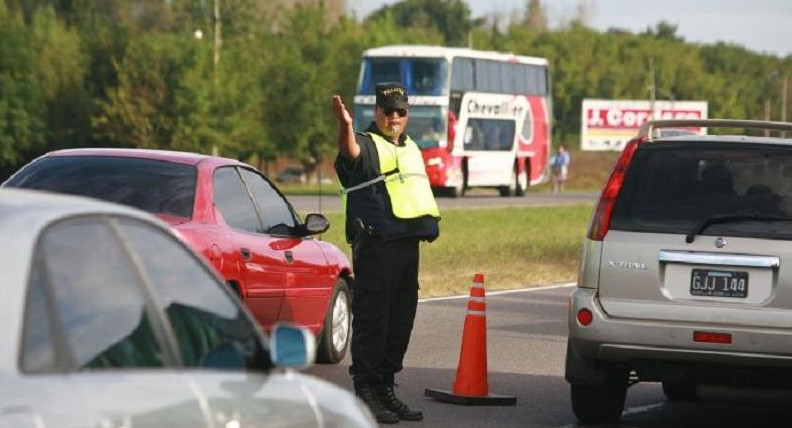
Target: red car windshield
[{"x": 151, "y": 185}]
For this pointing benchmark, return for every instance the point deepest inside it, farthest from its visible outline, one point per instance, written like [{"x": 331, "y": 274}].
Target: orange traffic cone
[{"x": 471, "y": 386}]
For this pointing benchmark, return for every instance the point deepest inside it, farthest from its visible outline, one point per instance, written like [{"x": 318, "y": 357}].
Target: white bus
[{"x": 482, "y": 119}]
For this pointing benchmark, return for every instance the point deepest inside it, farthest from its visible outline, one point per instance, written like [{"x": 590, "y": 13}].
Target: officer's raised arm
[{"x": 347, "y": 145}]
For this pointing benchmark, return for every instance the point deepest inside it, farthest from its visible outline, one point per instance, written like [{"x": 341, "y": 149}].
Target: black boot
[
  {"x": 368, "y": 393},
  {"x": 387, "y": 396}
]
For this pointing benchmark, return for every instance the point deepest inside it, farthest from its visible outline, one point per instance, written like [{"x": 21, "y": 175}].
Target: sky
[{"x": 759, "y": 25}]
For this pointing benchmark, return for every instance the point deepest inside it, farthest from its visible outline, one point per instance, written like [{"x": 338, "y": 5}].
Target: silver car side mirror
[
  {"x": 291, "y": 346},
  {"x": 316, "y": 223}
]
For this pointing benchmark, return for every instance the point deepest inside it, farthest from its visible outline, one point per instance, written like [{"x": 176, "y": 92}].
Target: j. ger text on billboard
[
  {"x": 633, "y": 118},
  {"x": 609, "y": 124}
]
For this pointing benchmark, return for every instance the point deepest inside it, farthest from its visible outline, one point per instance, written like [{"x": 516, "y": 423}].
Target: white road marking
[
  {"x": 640, "y": 409},
  {"x": 497, "y": 293}
]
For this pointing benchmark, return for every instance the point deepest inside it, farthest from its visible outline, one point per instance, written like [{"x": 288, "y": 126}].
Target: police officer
[{"x": 389, "y": 209}]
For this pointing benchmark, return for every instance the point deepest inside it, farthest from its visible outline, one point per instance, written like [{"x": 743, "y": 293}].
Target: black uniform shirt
[{"x": 372, "y": 204}]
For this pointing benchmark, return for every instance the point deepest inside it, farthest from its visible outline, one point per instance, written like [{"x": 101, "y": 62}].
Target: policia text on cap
[{"x": 389, "y": 208}]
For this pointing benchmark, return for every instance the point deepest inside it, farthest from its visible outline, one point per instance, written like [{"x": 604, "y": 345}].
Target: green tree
[
  {"x": 147, "y": 107},
  {"x": 296, "y": 97},
  {"x": 60, "y": 68},
  {"x": 238, "y": 99},
  {"x": 664, "y": 30},
  {"x": 22, "y": 101},
  {"x": 451, "y": 17},
  {"x": 136, "y": 69}
]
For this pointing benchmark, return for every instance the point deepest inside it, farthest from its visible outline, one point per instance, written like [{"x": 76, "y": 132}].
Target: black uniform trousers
[{"x": 384, "y": 301}]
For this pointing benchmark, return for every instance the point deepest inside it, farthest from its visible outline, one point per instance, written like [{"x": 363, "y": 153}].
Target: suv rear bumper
[{"x": 619, "y": 340}]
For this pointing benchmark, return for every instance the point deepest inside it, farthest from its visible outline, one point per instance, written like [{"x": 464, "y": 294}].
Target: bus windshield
[
  {"x": 421, "y": 76},
  {"x": 427, "y": 125}
]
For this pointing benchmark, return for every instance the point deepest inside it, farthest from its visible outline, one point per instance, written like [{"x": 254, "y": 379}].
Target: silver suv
[{"x": 686, "y": 271}]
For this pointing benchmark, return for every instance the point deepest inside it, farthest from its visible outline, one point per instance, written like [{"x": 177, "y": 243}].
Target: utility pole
[
  {"x": 652, "y": 88},
  {"x": 767, "y": 116},
  {"x": 784, "y": 103},
  {"x": 217, "y": 37},
  {"x": 216, "y": 60}
]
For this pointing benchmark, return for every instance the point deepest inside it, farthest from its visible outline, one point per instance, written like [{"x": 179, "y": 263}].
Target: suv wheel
[
  {"x": 597, "y": 404},
  {"x": 679, "y": 391},
  {"x": 334, "y": 338}
]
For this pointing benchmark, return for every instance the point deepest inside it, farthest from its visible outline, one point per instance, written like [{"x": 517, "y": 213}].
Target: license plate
[{"x": 719, "y": 283}]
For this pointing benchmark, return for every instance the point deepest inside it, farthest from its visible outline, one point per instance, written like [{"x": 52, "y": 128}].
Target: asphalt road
[
  {"x": 481, "y": 198},
  {"x": 526, "y": 338}
]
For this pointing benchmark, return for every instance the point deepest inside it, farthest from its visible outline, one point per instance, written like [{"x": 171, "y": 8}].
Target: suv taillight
[{"x": 600, "y": 221}]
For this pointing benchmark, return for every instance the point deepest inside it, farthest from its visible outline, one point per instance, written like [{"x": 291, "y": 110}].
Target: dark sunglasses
[{"x": 400, "y": 111}]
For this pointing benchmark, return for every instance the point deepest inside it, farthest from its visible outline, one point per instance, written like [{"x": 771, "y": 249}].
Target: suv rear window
[
  {"x": 151, "y": 185},
  {"x": 671, "y": 187}
]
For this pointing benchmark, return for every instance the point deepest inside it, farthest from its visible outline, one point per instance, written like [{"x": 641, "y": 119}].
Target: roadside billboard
[{"x": 609, "y": 124}]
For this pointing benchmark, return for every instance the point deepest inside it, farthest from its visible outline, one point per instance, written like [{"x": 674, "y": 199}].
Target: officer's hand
[{"x": 340, "y": 111}]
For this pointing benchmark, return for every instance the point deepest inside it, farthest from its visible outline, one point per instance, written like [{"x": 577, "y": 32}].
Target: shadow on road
[{"x": 543, "y": 401}]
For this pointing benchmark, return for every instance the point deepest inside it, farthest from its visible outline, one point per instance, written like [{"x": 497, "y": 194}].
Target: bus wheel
[
  {"x": 512, "y": 188},
  {"x": 522, "y": 180},
  {"x": 460, "y": 184},
  {"x": 457, "y": 190}
]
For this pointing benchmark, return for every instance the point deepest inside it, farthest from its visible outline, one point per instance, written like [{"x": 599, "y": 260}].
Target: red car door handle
[
  {"x": 245, "y": 253},
  {"x": 289, "y": 256}
]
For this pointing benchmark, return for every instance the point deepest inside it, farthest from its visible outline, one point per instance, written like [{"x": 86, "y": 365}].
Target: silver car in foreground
[
  {"x": 686, "y": 272},
  {"x": 108, "y": 320}
]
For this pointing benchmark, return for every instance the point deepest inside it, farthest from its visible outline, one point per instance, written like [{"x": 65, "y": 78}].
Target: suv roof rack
[{"x": 648, "y": 128}]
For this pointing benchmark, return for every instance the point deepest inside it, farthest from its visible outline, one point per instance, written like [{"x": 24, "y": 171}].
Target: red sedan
[{"x": 231, "y": 214}]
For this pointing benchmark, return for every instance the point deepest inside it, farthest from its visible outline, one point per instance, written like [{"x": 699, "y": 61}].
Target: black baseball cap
[{"x": 392, "y": 95}]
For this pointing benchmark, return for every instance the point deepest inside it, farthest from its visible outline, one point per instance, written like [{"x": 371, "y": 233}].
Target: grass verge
[
  {"x": 514, "y": 247},
  {"x": 588, "y": 171}
]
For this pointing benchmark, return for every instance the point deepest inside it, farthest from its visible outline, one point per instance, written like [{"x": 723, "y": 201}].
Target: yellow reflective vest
[{"x": 402, "y": 169}]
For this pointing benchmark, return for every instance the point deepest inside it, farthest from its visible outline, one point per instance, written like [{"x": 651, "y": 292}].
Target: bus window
[
  {"x": 426, "y": 76},
  {"x": 481, "y": 74},
  {"x": 379, "y": 70},
  {"x": 421, "y": 76},
  {"x": 521, "y": 79},
  {"x": 427, "y": 126},
  {"x": 489, "y": 135},
  {"x": 507, "y": 72},
  {"x": 537, "y": 80},
  {"x": 364, "y": 115},
  {"x": 533, "y": 79},
  {"x": 462, "y": 76},
  {"x": 494, "y": 77},
  {"x": 542, "y": 80}
]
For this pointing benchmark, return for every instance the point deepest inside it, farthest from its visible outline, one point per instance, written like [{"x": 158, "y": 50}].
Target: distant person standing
[
  {"x": 559, "y": 165},
  {"x": 389, "y": 208}
]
